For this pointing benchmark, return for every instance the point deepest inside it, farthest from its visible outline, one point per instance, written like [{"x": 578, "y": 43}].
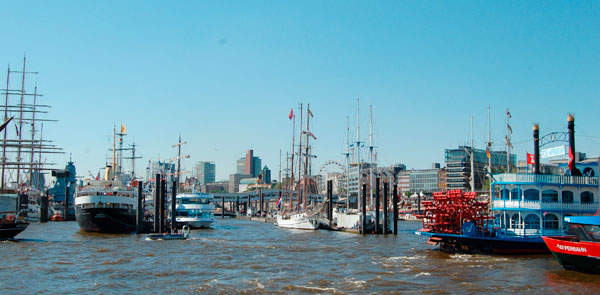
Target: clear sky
[{"x": 224, "y": 74}]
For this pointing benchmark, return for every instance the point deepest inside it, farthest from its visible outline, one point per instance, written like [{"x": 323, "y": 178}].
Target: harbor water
[{"x": 241, "y": 256}]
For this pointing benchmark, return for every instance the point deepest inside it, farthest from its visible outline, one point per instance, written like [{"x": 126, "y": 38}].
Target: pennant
[
  {"x": 309, "y": 134},
  {"x": 291, "y": 115},
  {"x": 123, "y": 130},
  {"x": 17, "y": 129},
  {"x": 508, "y": 114},
  {"x": 530, "y": 158},
  {"x": 509, "y": 128},
  {"x": 310, "y": 113}
]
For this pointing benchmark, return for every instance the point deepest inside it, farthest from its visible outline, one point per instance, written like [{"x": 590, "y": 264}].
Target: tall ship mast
[{"x": 22, "y": 164}]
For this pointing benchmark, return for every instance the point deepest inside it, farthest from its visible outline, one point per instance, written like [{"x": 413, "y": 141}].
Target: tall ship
[
  {"x": 296, "y": 214},
  {"x": 523, "y": 209},
  {"x": 196, "y": 210},
  {"x": 108, "y": 205}
]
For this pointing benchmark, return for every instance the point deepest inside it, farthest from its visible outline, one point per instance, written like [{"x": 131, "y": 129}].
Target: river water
[{"x": 242, "y": 256}]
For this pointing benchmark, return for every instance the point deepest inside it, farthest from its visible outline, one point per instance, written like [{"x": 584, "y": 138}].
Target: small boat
[
  {"x": 57, "y": 216},
  {"x": 183, "y": 235},
  {"x": 297, "y": 221},
  {"x": 11, "y": 225},
  {"x": 580, "y": 249}
]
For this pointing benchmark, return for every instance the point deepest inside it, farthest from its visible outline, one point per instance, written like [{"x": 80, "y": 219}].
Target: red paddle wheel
[{"x": 448, "y": 211}]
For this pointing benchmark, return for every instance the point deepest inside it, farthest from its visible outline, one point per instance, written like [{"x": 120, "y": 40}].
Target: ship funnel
[
  {"x": 108, "y": 174},
  {"x": 571, "y": 128},
  {"x": 536, "y": 148}
]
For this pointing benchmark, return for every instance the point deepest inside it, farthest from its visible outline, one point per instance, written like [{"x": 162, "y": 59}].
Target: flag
[
  {"x": 291, "y": 115},
  {"x": 123, "y": 130},
  {"x": 309, "y": 134},
  {"x": 310, "y": 113},
  {"x": 508, "y": 114},
  {"x": 530, "y": 158},
  {"x": 278, "y": 202},
  {"x": 571, "y": 160},
  {"x": 17, "y": 128},
  {"x": 487, "y": 152},
  {"x": 509, "y": 128}
]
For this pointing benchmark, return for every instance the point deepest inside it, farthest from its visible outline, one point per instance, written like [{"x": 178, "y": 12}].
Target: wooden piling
[
  {"x": 364, "y": 209},
  {"x": 174, "y": 206},
  {"x": 139, "y": 214},
  {"x": 44, "y": 208},
  {"x": 66, "y": 203},
  {"x": 395, "y": 207},
  {"x": 163, "y": 205},
  {"x": 330, "y": 202},
  {"x": 385, "y": 207},
  {"x": 377, "y": 201},
  {"x": 222, "y": 207},
  {"x": 157, "y": 204}
]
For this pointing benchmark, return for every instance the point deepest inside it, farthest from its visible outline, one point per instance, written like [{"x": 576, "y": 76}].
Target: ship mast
[
  {"x": 359, "y": 201},
  {"x": 306, "y": 156},
  {"x": 472, "y": 159},
  {"x": 347, "y": 162},
  {"x": 291, "y": 179},
  {"x": 5, "y": 129},
  {"x": 299, "y": 191},
  {"x": 489, "y": 153},
  {"x": 508, "y": 143},
  {"x": 371, "y": 156}
]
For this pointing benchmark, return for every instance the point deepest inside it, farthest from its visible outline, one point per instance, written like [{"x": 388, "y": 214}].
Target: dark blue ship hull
[
  {"x": 106, "y": 220},
  {"x": 487, "y": 245}
]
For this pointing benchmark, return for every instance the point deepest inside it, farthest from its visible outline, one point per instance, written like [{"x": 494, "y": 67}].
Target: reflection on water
[{"x": 239, "y": 256}]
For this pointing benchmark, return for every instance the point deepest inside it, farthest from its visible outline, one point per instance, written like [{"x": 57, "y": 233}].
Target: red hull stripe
[{"x": 565, "y": 246}]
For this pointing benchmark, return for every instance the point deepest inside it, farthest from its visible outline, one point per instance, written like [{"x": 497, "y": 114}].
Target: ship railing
[
  {"x": 534, "y": 205},
  {"x": 545, "y": 178},
  {"x": 528, "y": 232}
]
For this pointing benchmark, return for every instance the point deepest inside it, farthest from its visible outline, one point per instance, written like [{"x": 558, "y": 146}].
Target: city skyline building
[{"x": 205, "y": 172}]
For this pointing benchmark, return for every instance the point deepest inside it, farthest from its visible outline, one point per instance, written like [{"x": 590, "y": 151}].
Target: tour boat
[
  {"x": 197, "y": 210},
  {"x": 11, "y": 225},
  {"x": 580, "y": 249}
]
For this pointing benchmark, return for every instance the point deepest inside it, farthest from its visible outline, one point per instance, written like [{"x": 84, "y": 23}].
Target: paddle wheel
[{"x": 455, "y": 212}]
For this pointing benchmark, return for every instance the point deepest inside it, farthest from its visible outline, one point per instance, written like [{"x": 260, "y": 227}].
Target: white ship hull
[{"x": 297, "y": 221}]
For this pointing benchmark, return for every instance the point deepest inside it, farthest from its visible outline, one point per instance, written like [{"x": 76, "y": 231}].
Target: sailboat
[{"x": 297, "y": 219}]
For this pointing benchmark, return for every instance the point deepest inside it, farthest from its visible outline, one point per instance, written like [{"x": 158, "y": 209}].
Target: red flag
[
  {"x": 487, "y": 152},
  {"x": 571, "y": 160},
  {"x": 291, "y": 115},
  {"x": 530, "y": 158}
]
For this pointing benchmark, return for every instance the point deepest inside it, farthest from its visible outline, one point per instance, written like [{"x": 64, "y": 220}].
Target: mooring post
[
  {"x": 163, "y": 206},
  {"x": 156, "y": 218},
  {"x": 364, "y": 209},
  {"x": 223, "y": 207},
  {"x": 385, "y": 207},
  {"x": 377, "y": 197},
  {"x": 66, "y": 215},
  {"x": 44, "y": 208},
  {"x": 174, "y": 206},
  {"x": 139, "y": 212},
  {"x": 330, "y": 202},
  {"x": 395, "y": 206},
  {"x": 237, "y": 204},
  {"x": 248, "y": 205}
]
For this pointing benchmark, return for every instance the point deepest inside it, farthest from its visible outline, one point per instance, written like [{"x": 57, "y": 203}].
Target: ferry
[
  {"x": 196, "y": 210},
  {"x": 580, "y": 249},
  {"x": 107, "y": 206}
]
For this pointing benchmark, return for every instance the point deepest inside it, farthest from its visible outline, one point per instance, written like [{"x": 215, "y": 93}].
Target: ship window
[
  {"x": 550, "y": 221},
  {"x": 593, "y": 232},
  {"x": 532, "y": 195},
  {"x": 587, "y": 197},
  {"x": 579, "y": 231},
  {"x": 567, "y": 197},
  {"x": 549, "y": 196},
  {"x": 514, "y": 194},
  {"x": 504, "y": 194},
  {"x": 532, "y": 221}
]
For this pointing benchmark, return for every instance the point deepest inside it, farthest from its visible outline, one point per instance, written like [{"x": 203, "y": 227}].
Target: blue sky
[{"x": 224, "y": 74}]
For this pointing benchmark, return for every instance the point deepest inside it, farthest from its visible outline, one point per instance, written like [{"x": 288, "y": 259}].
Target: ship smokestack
[
  {"x": 571, "y": 128},
  {"x": 536, "y": 148},
  {"x": 108, "y": 173}
]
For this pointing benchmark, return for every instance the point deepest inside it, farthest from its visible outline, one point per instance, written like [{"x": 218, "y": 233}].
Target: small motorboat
[
  {"x": 173, "y": 235},
  {"x": 57, "y": 216}
]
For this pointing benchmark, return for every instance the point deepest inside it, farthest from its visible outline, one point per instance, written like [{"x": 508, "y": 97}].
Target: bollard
[
  {"x": 395, "y": 207},
  {"x": 237, "y": 204},
  {"x": 174, "y": 206},
  {"x": 385, "y": 207},
  {"x": 222, "y": 207},
  {"x": 377, "y": 197},
  {"x": 139, "y": 212},
  {"x": 163, "y": 205},
  {"x": 330, "y": 201}
]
